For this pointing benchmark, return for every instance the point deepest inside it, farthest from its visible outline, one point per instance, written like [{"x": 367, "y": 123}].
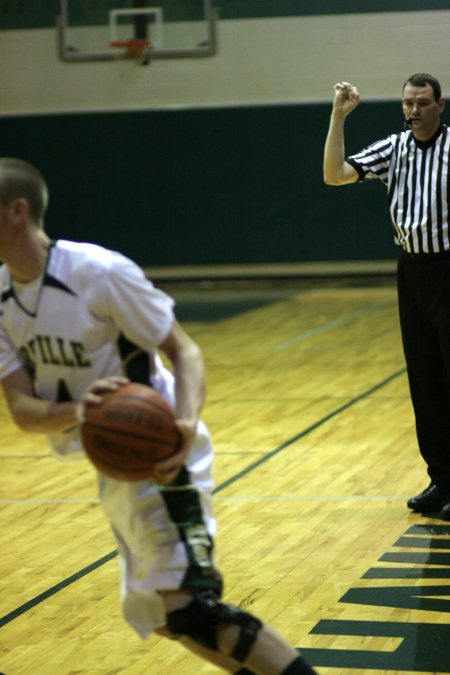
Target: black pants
[{"x": 424, "y": 307}]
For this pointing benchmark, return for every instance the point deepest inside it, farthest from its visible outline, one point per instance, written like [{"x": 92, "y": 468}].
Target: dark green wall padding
[
  {"x": 20, "y": 14},
  {"x": 208, "y": 186}
]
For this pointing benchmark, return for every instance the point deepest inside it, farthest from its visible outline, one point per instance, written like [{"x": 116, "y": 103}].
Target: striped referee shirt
[{"x": 416, "y": 174}]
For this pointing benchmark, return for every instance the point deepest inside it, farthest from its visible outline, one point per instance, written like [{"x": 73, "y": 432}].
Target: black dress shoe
[
  {"x": 431, "y": 499},
  {"x": 445, "y": 511}
]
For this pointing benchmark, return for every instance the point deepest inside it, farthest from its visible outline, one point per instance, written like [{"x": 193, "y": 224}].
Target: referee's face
[{"x": 421, "y": 110}]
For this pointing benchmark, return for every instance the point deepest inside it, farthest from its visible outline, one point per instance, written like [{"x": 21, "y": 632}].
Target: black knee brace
[
  {"x": 200, "y": 618},
  {"x": 296, "y": 667},
  {"x": 299, "y": 667}
]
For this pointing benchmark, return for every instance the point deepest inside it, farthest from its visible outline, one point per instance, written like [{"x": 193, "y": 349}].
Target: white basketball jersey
[{"x": 91, "y": 314}]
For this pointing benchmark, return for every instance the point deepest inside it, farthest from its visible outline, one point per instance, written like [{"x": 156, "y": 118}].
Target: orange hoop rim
[
  {"x": 134, "y": 43},
  {"x": 135, "y": 47}
]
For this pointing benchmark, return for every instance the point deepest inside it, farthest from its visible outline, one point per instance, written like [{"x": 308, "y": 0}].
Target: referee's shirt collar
[{"x": 423, "y": 145}]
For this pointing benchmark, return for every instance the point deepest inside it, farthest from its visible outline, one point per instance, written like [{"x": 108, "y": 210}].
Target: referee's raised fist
[{"x": 346, "y": 97}]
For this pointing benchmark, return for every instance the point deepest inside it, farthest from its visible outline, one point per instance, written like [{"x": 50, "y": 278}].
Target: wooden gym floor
[{"x": 315, "y": 457}]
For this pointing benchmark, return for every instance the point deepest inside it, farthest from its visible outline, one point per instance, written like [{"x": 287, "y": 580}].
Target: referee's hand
[{"x": 346, "y": 98}]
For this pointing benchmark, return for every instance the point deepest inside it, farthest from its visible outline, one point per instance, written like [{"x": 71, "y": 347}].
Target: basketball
[{"x": 130, "y": 430}]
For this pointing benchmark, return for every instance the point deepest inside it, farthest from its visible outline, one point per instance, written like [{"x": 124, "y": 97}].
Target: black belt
[{"x": 427, "y": 256}]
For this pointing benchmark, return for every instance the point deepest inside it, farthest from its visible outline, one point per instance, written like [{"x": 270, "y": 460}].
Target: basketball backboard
[{"x": 99, "y": 30}]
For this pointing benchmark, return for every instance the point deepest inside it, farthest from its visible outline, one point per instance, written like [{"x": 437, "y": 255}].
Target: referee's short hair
[{"x": 422, "y": 79}]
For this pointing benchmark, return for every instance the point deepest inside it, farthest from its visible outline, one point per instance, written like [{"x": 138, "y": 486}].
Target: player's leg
[
  {"x": 165, "y": 539},
  {"x": 217, "y": 659},
  {"x": 270, "y": 655},
  {"x": 270, "y": 662},
  {"x": 229, "y": 637}
]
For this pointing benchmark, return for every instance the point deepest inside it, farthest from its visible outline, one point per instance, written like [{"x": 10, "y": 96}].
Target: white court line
[
  {"x": 312, "y": 498},
  {"x": 50, "y": 501},
  {"x": 331, "y": 324},
  {"x": 301, "y": 498}
]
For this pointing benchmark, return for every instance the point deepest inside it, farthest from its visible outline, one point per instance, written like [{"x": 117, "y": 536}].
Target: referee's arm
[{"x": 336, "y": 171}]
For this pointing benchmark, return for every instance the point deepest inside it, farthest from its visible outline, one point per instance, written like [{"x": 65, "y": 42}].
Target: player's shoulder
[
  {"x": 81, "y": 252},
  {"x": 71, "y": 257},
  {"x": 85, "y": 267}
]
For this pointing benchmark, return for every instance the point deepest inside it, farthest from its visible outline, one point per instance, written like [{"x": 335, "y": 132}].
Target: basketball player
[
  {"x": 77, "y": 320},
  {"x": 414, "y": 166}
]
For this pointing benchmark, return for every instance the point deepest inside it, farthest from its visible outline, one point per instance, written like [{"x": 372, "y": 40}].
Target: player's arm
[
  {"x": 35, "y": 414},
  {"x": 189, "y": 372},
  {"x": 31, "y": 413},
  {"x": 336, "y": 171},
  {"x": 190, "y": 385}
]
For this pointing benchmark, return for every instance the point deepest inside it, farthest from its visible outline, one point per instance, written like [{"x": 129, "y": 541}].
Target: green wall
[
  {"x": 208, "y": 186},
  {"x": 19, "y": 14}
]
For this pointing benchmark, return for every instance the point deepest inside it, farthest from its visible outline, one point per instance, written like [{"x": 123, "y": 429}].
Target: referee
[{"x": 414, "y": 166}]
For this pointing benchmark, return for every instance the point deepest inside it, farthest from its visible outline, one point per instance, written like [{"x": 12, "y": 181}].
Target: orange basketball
[{"x": 129, "y": 431}]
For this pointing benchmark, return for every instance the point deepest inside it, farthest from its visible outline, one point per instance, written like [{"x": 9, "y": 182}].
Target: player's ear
[
  {"x": 19, "y": 209},
  {"x": 17, "y": 206},
  {"x": 441, "y": 103}
]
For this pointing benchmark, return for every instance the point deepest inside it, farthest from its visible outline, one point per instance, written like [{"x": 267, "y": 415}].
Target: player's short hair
[
  {"x": 20, "y": 179},
  {"x": 422, "y": 79}
]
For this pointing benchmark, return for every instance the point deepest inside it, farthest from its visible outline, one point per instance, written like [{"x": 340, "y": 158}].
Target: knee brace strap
[
  {"x": 200, "y": 618},
  {"x": 299, "y": 667}
]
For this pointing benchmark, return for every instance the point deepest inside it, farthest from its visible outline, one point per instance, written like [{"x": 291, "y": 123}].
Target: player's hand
[
  {"x": 92, "y": 395},
  {"x": 346, "y": 98},
  {"x": 167, "y": 470}
]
